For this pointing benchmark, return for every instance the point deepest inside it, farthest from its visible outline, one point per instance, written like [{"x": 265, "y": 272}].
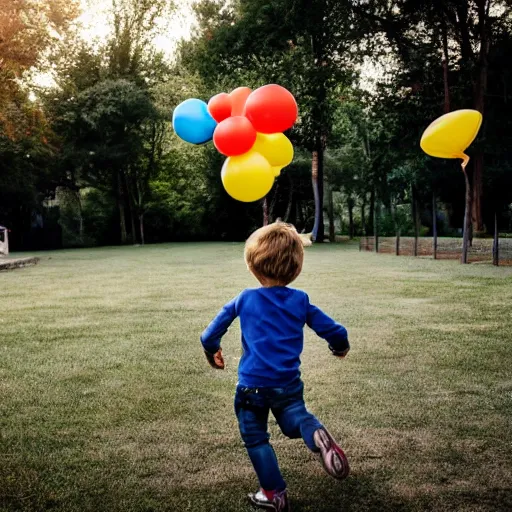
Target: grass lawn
[{"x": 107, "y": 403}]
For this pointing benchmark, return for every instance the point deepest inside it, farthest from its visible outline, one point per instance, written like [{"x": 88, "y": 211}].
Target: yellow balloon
[
  {"x": 276, "y": 169},
  {"x": 247, "y": 177},
  {"x": 449, "y": 135},
  {"x": 275, "y": 147}
]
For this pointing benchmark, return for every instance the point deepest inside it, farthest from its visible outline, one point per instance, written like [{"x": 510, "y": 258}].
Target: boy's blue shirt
[{"x": 272, "y": 322}]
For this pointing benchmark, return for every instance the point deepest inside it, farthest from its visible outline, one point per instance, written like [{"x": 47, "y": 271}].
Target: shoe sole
[
  {"x": 269, "y": 506},
  {"x": 334, "y": 460},
  {"x": 259, "y": 504}
]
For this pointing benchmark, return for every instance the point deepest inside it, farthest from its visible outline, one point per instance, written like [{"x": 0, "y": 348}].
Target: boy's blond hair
[{"x": 274, "y": 254}]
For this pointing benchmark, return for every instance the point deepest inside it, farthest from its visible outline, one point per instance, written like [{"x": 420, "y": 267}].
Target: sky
[
  {"x": 94, "y": 25},
  {"x": 94, "y": 22}
]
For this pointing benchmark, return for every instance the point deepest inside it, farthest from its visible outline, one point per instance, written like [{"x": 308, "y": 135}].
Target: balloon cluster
[{"x": 246, "y": 126}]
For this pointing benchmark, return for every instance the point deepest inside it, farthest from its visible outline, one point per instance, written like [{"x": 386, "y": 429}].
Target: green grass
[{"x": 107, "y": 403}]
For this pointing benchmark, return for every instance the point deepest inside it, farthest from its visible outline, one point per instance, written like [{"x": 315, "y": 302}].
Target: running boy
[{"x": 272, "y": 319}]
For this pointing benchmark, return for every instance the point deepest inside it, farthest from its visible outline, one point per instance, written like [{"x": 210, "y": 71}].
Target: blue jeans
[{"x": 252, "y": 406}]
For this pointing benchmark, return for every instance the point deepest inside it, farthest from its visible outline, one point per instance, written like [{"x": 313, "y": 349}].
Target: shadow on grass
[
  {"x": 361, "y": 493},
  {"x": 369, "y": 491},
  {"x": 357, "y": 493},
  {"x": 308, "y": 494}
]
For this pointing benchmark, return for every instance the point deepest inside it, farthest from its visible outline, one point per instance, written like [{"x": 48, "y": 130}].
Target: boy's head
[{"x": 274, "y": 254}]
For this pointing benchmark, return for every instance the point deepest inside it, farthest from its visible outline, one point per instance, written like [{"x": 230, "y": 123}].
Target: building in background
[{"x": 4, "y": 241}]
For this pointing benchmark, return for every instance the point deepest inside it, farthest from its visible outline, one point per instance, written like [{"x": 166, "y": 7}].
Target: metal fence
[{"x": 481, "y": 249}]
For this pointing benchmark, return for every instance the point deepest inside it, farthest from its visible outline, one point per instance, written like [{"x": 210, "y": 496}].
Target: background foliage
[{"x": 93, "y": 159}]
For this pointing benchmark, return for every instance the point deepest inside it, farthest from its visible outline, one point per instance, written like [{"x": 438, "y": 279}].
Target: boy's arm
[
  {"x": 212, "y": 335},
  {"x": 328, "y": 329}
]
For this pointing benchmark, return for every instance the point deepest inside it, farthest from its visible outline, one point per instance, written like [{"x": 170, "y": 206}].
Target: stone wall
[{"x": 12, "y": 263}]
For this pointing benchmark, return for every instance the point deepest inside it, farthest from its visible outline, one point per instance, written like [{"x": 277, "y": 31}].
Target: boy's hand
[
  {"x": 339, "y": 353},
  {"x": 216, "y": 360}
]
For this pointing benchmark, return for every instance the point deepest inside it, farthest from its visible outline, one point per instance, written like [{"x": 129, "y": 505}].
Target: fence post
[
  {"x": 496, "y": 242},
  {"x": 415, "y": 219},
  {"x": 434, "y": 225},
  {"x": 466, "y": 243},
  {"x": 397, "y": 243}
]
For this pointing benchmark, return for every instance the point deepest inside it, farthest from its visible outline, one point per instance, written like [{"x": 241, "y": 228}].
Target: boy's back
[{"x": 272, "y": 321}]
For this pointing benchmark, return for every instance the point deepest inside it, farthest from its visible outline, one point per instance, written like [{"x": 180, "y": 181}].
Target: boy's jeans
[{"x": 252, "y": 406}]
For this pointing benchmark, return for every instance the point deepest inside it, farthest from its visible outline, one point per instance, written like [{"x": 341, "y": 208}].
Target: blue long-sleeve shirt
[{"x": 272, "y": 322}]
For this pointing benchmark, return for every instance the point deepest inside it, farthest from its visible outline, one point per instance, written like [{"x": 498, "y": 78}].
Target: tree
[
  {"x": 130, "y": 50},
  {"x": 142, "y": 170},
  {"x": 461, "y": 33},
  {"x": 110, "y": 122},
  {"x": 27, "y": 173},
  {"x": 111, "y": 131},
  {"x": 28, "y": 28},
  {"x": 310, "y": 52}
]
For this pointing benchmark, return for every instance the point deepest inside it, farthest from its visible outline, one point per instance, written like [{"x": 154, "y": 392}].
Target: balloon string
[{"x": 465, "y": 160}]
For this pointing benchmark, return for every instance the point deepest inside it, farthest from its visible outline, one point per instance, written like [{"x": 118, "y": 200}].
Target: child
[{"x": 272, "y": 319}]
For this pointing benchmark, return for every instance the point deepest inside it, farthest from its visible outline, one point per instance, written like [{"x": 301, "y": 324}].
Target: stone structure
[{"x": 4, "y": 241}]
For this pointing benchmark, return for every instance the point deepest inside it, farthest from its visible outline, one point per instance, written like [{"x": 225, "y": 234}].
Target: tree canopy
[{"x": 93, "y": 159}]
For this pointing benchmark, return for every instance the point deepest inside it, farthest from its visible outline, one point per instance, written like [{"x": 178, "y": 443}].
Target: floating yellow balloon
[
  {"x": 276, "y": 169},
  {"x": 247, "y": 177},
  {"x": 449, "y": 135},
  {"x": 275, "y": 147}
]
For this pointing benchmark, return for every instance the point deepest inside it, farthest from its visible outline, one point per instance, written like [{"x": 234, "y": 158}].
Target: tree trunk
[
  {"x": 300, "y": 216},
  {"x": 332, "y": 234},
  {"x": 496, "y": 243},
  {"x": 363, "y": 218},
  {"x": 434, "y": 225},
  {"x": 265, "y": 211},
  {"x": 467, "y": 219},
  {"x": 318, "y": 113},
  {"x": 317, "y": 174},
  {"x": 80, "y": 216},
  {"x": 132, "y": 222},
  {"x": 290, "y": 199},
  {"x": 272, "y": 204},
  {"x": 415, "y": 216},
  {"x": 376, "y": 224},
  {"x": 121, "y": 206},
  {"x": 480, "y": 89},
  {"x": 350, "y": 207},
  {"x": 477, "y": 218},
  {"x": 131, "y": 209},
  {"x": 371, "y": 213},
  {"x": 141, "y": 228},
  {"x": 444, "y": 35},
  {"x": 397, "y": 227}
]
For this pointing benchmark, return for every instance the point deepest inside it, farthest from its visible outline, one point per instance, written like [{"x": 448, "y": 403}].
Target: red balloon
[
  {"x": 220, "y": 106},
  {"x": 238, "y": 98},
  {"x": 271, "y": 109},
  {"x": 234, "y": 136}
]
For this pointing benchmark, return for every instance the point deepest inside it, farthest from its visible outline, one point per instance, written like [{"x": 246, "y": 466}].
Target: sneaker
[
  {"x": 333, "y": 459},
  {"x": 279, "y": 502}
]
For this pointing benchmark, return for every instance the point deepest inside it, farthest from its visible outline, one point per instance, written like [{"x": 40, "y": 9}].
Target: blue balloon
[{"x": 192, "y": 122}]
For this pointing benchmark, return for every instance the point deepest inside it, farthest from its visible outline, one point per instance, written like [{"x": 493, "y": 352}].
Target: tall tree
[
  {"x": 28, "y": 28},
  {"x": 130, "y": 49},
  {"x": 108, "y": 123},
  {"x": 310, "y": 52},
  {"x": 461, "y": 29}
]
